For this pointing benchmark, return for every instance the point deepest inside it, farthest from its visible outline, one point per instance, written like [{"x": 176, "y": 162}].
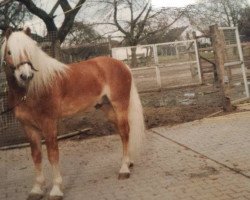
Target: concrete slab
[{"x": 225, "y": 139}]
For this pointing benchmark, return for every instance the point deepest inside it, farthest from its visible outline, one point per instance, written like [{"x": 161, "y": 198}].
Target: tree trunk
[
  {"x": 57, "y": 50},
  {"x": 134, "y": 62}
]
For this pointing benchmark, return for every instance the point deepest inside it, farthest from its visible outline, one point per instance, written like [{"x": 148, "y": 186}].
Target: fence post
[
  {"x": 197, "y": 57},
  {"x": 157, "y": 70},
  {"x": 198, "y": 62},
  {"x": 219, "y": 54},
  {"x": 177, "y": 51},
  {"x": 243, "y": 67},
  {"x": 228, "y": 68}
]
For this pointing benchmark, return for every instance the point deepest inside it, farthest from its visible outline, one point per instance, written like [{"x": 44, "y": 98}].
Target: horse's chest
[{"x": 33, "y": 113}]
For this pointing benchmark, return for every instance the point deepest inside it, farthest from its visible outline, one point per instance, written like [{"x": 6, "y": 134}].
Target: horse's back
[
  {"x": 106, "y": 71},
  {"x": 107, "y": 66}
]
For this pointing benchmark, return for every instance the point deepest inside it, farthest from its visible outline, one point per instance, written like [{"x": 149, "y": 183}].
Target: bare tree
[
  {"x": 168, "y": 35},
  {"x": 144, "y": 21},
  {"x": 244, "y": 23},
  {"x": 221, "y": 12},
  {"x": 49, "y": 17},
  {"x": 82, "y": 33},
  {"x": 12, "y": 14},
  {"x": 137, "y": 21}
]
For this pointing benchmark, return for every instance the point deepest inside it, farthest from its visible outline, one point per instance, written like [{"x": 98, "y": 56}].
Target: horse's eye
[{"x": 9, "y": 53}]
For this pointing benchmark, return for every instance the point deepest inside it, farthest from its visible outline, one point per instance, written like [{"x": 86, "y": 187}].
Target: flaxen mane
[{"x": 19, "y": 44}]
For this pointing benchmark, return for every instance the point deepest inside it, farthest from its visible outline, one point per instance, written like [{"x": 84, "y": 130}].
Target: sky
[
  {"x": 48, "y": 4},
  {"x": 172, "y": 3}
]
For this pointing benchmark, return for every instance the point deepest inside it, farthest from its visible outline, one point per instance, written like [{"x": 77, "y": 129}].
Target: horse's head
[{"x": 15, "y": 55}]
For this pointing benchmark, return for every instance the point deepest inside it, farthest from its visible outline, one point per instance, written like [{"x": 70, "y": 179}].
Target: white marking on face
[{"x": 23, "y": 74}]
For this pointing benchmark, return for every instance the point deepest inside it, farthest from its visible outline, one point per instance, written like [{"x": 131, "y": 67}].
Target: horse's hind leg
[
  {"x": 121, "y": 112},
  {"x": 35, "y": 143},
  {"x": 120, "y": 119}
]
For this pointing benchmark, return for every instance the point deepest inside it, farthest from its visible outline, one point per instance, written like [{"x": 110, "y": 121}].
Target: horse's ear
[
  {"x": 27, "y": 31},
  {"x": 8, "y": 32}
]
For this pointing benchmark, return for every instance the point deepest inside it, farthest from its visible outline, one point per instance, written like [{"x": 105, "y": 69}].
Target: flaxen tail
[{"x": 136, "y": 122}]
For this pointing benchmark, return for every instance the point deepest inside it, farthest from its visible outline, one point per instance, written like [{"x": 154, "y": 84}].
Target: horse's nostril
[
  {"x": 31, "y": 76},
  {"x": 24, "y": 77}
]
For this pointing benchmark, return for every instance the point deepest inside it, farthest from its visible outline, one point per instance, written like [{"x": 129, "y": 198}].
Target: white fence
[
  {"x": 236, "y": 75},
  {"x": 163, "y": 65}
]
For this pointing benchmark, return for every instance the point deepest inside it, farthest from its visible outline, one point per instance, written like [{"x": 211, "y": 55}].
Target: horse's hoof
[
  {"x": 123, "y": 176},
  {"x": 55, "y": 198},
  {"x": 35, "y": 197}
]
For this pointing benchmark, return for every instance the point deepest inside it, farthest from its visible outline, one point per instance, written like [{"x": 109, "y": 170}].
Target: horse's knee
[
  {"x": 35, "y": 144},
  {"x": 53, "y": 156},
  {"x": 52, "y": 150}
]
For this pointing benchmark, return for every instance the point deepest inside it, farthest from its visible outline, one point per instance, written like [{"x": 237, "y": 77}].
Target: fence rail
[{"x": 163, "y": 65}]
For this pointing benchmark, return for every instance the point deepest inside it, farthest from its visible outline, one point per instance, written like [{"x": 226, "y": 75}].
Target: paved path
[{"x": 204, "y": 160}]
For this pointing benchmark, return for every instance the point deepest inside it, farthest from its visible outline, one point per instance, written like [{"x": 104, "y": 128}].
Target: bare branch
[
  {"x": 221, "y": 12},
  {"x": 141, "y": 13},
  {"x": 65, "y": 5},
  {"x": 49, "y": 22},
  {"x": 115, "y": 19},
  {"x": 143, "y": 23},
  {"x": 149, "y": 34},
  {"x": 5, "y": 2},
  {"x": 54, "y": 8},
  {"x": 69, "y": 18},
  {"x": 48, "y": 18}
]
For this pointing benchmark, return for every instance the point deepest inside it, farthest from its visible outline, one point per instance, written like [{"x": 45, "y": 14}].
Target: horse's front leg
[
  {"x": 50, "y": 134},
  {"x": 35, "y": 144}
]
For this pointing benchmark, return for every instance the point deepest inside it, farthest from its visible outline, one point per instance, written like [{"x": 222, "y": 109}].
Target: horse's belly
[{"x": 73, "y": 106}]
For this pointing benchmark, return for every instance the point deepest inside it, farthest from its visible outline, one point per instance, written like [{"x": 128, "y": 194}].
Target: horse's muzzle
[{"x": 26, "y": 77}]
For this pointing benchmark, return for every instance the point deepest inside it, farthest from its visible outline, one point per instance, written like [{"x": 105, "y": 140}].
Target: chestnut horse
[{"x": 42, "y": 90}]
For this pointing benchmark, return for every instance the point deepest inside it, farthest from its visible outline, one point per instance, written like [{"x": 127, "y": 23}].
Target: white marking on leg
[
  {"x": 57, "y": 182},
  {"x": 125, "y": 165},
  {"x": 39, "y": 182},
  {"x": 37, "y": 189},
  {"x": 124, "y": 169},
  {"x": 56, "y": 191}
]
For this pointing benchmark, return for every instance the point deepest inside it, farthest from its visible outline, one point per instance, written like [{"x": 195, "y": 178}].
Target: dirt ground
[
  {"x": 168, "y": 107},
  {"x": 164, "y": 108}
]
